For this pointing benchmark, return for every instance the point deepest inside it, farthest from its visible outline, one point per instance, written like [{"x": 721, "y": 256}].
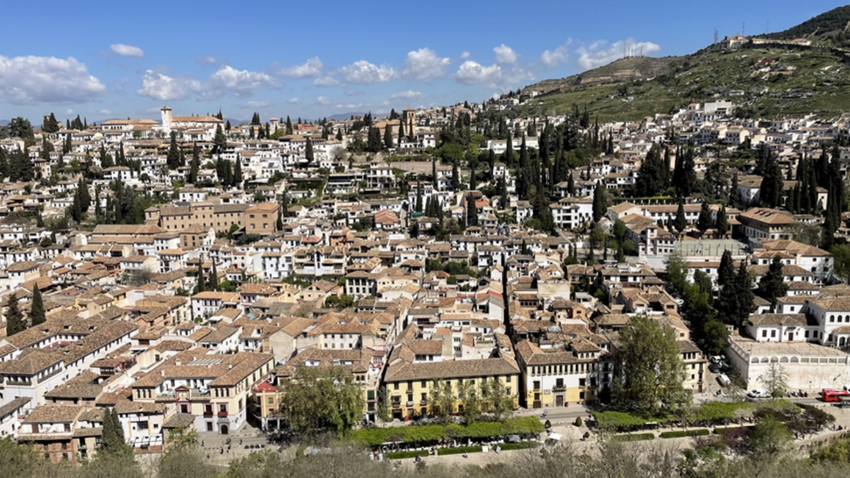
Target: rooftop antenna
[
  {"x": 743, "y": 29},
  {"x": 715, "y": 36}
]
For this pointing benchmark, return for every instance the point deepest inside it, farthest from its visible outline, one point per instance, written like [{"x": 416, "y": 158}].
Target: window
[{"x": 271, "y": 400}]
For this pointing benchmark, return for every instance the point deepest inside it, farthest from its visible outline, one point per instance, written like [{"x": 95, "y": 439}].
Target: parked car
[
  {"x": 723, "y": 379},
  {"x": 758, "y": 393},
  {"x": 714, "y": 368},
  {"x": 716, "y": 359}
]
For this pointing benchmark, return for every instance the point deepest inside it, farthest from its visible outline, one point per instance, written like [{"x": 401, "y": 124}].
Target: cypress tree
[
  {"x": 173, "y": 158},
  {"x": 680, "y": 223},
  {"x": 418, "y": 196},
  {"x": 471, "y": 211},
  {"x": 195, "y": 165},
  {"x": 14, "y": 319},
  {"x": 213, "y": 280},
  {"x": 434, "y": 170},
  {"x": 388, "y": 137},
  {"x": 119, "y": 430},
  {"x": 237, "y": 173},
  {"x": 600, "y": 206},
  {"x": 455, "y": 176},
  {"x": 704, "y": 219},
  {"x": 400, "y": 130},
  {"x": 37, "y": 316},
  {"x": 508, "y": 157},
  {"x": 726, "y": 270},
  {"x": 722, "y": 225},
  {"x": 308, "y": 151},
  {"x": 85, "y": 197}
]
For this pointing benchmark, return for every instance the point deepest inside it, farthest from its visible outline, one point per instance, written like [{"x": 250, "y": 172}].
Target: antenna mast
[{"x": 743, "y": 29}]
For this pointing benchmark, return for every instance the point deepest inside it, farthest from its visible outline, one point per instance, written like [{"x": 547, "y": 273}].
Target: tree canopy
[{"x": 652, "y": 368}]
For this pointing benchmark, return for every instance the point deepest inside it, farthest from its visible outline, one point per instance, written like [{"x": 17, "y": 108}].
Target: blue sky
[{"x": 126, "y": 59}]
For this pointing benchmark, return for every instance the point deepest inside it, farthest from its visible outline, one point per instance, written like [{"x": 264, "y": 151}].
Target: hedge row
[
  {"x": 708, "y": 413},
  {"x": 459, "y": 450},
  {"x": 685, "y": 433},
  {"x": 523, "y": 445},
  {"x": 634, "y": 437},
  {"x": 435, "y": 432},
  {"x": 721, "y": 430},
  {"x": 399, "y": 455}
]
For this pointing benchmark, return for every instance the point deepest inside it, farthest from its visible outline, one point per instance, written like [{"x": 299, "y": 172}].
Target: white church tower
[{"x": 166, "y": 119}]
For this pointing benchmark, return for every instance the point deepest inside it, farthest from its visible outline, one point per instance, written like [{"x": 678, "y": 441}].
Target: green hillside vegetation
[
  {"x": 830, "y": 26},
  {"x": 762, "y": 81}
]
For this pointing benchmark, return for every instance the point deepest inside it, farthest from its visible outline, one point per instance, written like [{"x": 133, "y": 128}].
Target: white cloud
[
  {"x": 257, "y": 104},
  {"x": 364, "y": 72},
  {"x": 597, "y": 55},
  {"x": 309, "y": 69},
  {"x": 472, "y": 72},
  {"x": 69, "y": 111},
  {"x": 46, "y": 79},
  {"x": 465, "y": 55},
  {"x": 551, "y": 58},
  {"x": 324, "y": 100},
  {"x": 105, "y": 112},
  {"x": 240, "y": 82},
  {"x": 354, "y": 92},
  {"x": 166, "y": 88},
  {"x": 206, "y": 60},
  {"x": 293, "y": 101},
  {"x": 505, "y": 55},
  {"x": 326, "y": 81},
  {"x": 424, "y": 65},
  {"x": 406, "y": 94},
  {"x": 127, "y": 50}
]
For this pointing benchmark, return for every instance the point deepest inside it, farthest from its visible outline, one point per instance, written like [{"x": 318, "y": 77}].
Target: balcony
[
  {"x": 222, "y": 413},
  {"x": 423, "y": 402},
  {"x": 208, "y": 413},
  {"x": 410, "y": 403},
  {"x": 559, "y": 387}
]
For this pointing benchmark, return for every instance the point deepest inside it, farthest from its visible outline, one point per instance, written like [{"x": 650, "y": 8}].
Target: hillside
[
  {"x": 764, "y": 80},
  {"x": 624, "y": 69},
  {"x": 824, "y": 27}
]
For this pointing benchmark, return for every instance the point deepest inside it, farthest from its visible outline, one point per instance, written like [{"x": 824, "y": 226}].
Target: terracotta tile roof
[{"x": 54, "y": 414}]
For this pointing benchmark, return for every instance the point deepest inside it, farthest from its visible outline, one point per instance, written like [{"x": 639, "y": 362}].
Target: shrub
[
  {"x": 548, "y": 424},
  {"x": 523, "y": 445},
  {"x": 578, "y": 421},
  {"x": 612, "y": 420},
  {"x": 685, "y": 433},
  {"x": 459, "y": 450},
  {"x": 634, "y": 437},
  {"x": 713, "y": 412}
]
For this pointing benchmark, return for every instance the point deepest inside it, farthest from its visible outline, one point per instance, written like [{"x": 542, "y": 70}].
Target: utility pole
[{"x": 715, "y": 36}]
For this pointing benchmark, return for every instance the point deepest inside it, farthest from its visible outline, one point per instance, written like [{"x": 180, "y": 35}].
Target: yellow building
[{"x": 409, "y": 381}]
